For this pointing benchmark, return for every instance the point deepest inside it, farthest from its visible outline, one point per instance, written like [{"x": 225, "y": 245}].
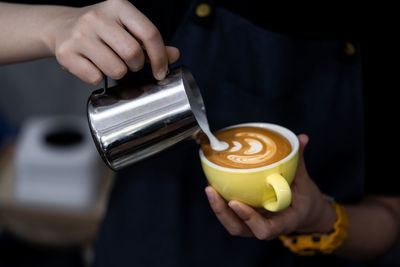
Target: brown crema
[{"x": 249, "y": 147}]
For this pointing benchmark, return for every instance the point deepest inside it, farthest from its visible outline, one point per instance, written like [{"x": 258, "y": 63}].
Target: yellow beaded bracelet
[{"x": 311, "y": 244}]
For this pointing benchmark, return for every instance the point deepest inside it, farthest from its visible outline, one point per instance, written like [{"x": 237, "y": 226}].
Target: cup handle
[{"x": 282, "y": 193}]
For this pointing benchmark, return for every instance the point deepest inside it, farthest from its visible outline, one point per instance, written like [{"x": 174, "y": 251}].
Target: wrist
[
  {"x": 323, "y": 219},
  {"x": 325, "y": 243},
  {"x": 53, "y": 25},
  {"x": 328, "y": 218}
]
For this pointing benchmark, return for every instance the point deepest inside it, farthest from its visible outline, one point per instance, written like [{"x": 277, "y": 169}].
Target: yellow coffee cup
[{"x": 267, "y": 186}]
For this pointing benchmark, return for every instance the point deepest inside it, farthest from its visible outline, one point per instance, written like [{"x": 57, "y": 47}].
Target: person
[{"x": 248, "y": 69}]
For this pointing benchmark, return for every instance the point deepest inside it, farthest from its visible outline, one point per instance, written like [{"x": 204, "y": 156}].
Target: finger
[
  {"x": 303, "y": 139},
  {"x": 265, "y": 213},
  {"x": 124, "y": 44},
  {"x": 145, "y": 31},
  {"x": 83, "y": 68},
  {"x": 173, "y": 54},
  {"x": 225, "y": 215},
  {"x": 251, "y": 218},
  {"x": 104, "y": 58},
  {"x": 262, "y": 228}
]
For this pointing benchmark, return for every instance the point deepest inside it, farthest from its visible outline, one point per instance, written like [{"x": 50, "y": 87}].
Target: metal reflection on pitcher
[{"x": 132, "y": 122}]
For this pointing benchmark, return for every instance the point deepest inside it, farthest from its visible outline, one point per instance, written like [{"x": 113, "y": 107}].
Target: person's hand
[
  {"x": 308, "y": 212},
  {"x": 110, "y": 38}
]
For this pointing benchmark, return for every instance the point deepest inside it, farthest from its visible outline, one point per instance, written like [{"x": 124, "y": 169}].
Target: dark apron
[
  {"x": 5, "y": 131},
  {"x": 158, "y": 214}
]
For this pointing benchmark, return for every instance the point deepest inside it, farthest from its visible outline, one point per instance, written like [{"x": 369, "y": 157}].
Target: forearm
[
  {"x": 373, "y": 229},
  {"x": 24, "y": 31}
]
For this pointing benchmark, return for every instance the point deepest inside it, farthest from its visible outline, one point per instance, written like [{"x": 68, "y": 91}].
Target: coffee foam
[{"x": 249, "y": 147}]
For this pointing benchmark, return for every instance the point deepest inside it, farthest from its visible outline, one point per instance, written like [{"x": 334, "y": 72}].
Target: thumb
[
  {"x": 303, "y": 140},
  {"x": 173, "y": 54}
]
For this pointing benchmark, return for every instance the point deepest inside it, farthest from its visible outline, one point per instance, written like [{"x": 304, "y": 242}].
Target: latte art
[
  {"x": 256, "y": 148},
  {"x": 249, "y": 147}
]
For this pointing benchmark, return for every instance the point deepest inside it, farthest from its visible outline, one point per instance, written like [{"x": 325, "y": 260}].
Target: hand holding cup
[{"x": 308, "y": 212}]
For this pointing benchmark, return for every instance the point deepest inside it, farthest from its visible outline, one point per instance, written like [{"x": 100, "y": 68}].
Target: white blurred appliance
[{"x": 56, "y": 163}]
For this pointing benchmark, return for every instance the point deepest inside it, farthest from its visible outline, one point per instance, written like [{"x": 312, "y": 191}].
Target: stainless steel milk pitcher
[{"x": 132, "y": 122}]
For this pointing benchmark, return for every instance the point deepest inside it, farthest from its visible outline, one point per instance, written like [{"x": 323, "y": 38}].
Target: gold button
[
  {"x": 349, "y": 49},
  {"x": 203, "y": 10}
]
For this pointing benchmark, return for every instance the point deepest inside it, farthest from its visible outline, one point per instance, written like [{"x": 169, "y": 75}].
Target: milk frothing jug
[{"x": 131, "y": 122}]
